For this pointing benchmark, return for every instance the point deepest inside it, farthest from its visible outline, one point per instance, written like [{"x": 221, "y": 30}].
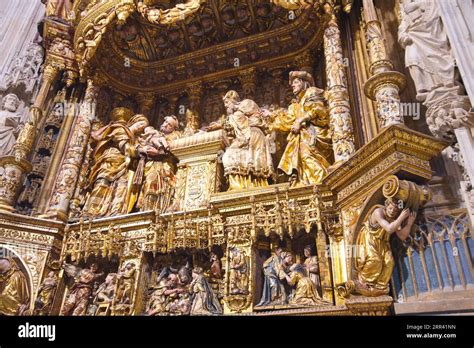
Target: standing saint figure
[
  {"x": 114, "y": 163},
  {"x": 308, "y": 152},
  {"x": 238, "y": 272},
  {"x": 312, "y": 267},
  {"x": 14, "y": 293},
  {"x": 427, "y": 51},
  {"x": 374, "y": 261},
  {"x": 247, "y": 161},
  {"x": 46, "y": 292},
  {"x": 9, "y": 121},
  {"x": 159, "y": 173},
  {"x": 126, "y": 284}
]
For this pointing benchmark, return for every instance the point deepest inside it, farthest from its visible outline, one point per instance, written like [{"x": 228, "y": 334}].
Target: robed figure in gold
[
  {"x": 308, "y": 154},
  {"x": 14, "y": 293},
  {"x": 304, "y": 292},
  {"x": 247, "y": 161},
  {"x": 114, "y": 164},
  {"x": 374, "y": 260}
]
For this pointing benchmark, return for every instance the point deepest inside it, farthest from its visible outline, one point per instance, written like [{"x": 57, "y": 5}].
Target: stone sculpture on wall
[
  {"x": 429, "y": 57},
  {"x": 9, "y": 122}
]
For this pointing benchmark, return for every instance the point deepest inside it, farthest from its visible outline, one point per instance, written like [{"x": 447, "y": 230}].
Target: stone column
[
  {"x": 248, "y": 80},
  {"x": 338, "y": 96},
  {"x": 384, "y": 85},
  {"x": 457, "y": 19},
  {"x": 68, "y": 174},
  {"x": 459, "y": 28}
]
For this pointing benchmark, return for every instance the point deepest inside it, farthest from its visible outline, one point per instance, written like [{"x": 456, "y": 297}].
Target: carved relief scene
[{"x": 181, "y": 158}]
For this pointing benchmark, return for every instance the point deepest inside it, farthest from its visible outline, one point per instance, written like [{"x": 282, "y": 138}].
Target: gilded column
[
  {"x": 248, "y": 80},
  {"x": 384, "y": 85},
  {"x": 71, "y": 164},
  {"x": 338, "y": 97},
  {"x": 14, "y": 168}
]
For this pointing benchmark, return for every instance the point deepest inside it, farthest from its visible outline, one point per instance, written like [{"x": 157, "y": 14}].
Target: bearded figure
[
  {"x": 308, "y": 154},
  {"x": 247, "y": 161}
]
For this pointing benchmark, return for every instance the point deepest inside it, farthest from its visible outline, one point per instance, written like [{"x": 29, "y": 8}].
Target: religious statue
[
  {"x": 192, "y": 123},
  {"x": 173, "y": 293},
  {"x": 126, "y": 283},
  {"x": 46, "y": 293},
  {"x": 308, "y": 153},
  {"x": 427, "y": 51},
  {"x": 159, "y": 172},
  {"x": 59, "y": 9},
  {"x": 238, "y": 272},
  {"x": 374, "y": 262},
  {"x": 204, "y": 300},
  {"x": 304, "y": 292},
  {"x": 247, "y": 161},
  {"x": 178, "y": 296},
  {"x": 274, "y": 269},
  {"x": 14, "y": 292},
  {"x": 430, "y": 59},
  {"x": 312, "y": 266},
  {"x": 9, "y": 121},
  {"x": 104, "y": 294},
  {"x": 216, "y": 267},
  {"x": 112, "y": 176},
  {"x": 78, "y": 298}
]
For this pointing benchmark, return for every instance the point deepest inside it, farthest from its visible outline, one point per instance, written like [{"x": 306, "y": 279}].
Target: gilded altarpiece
[{"x": 169, "y": 92}]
